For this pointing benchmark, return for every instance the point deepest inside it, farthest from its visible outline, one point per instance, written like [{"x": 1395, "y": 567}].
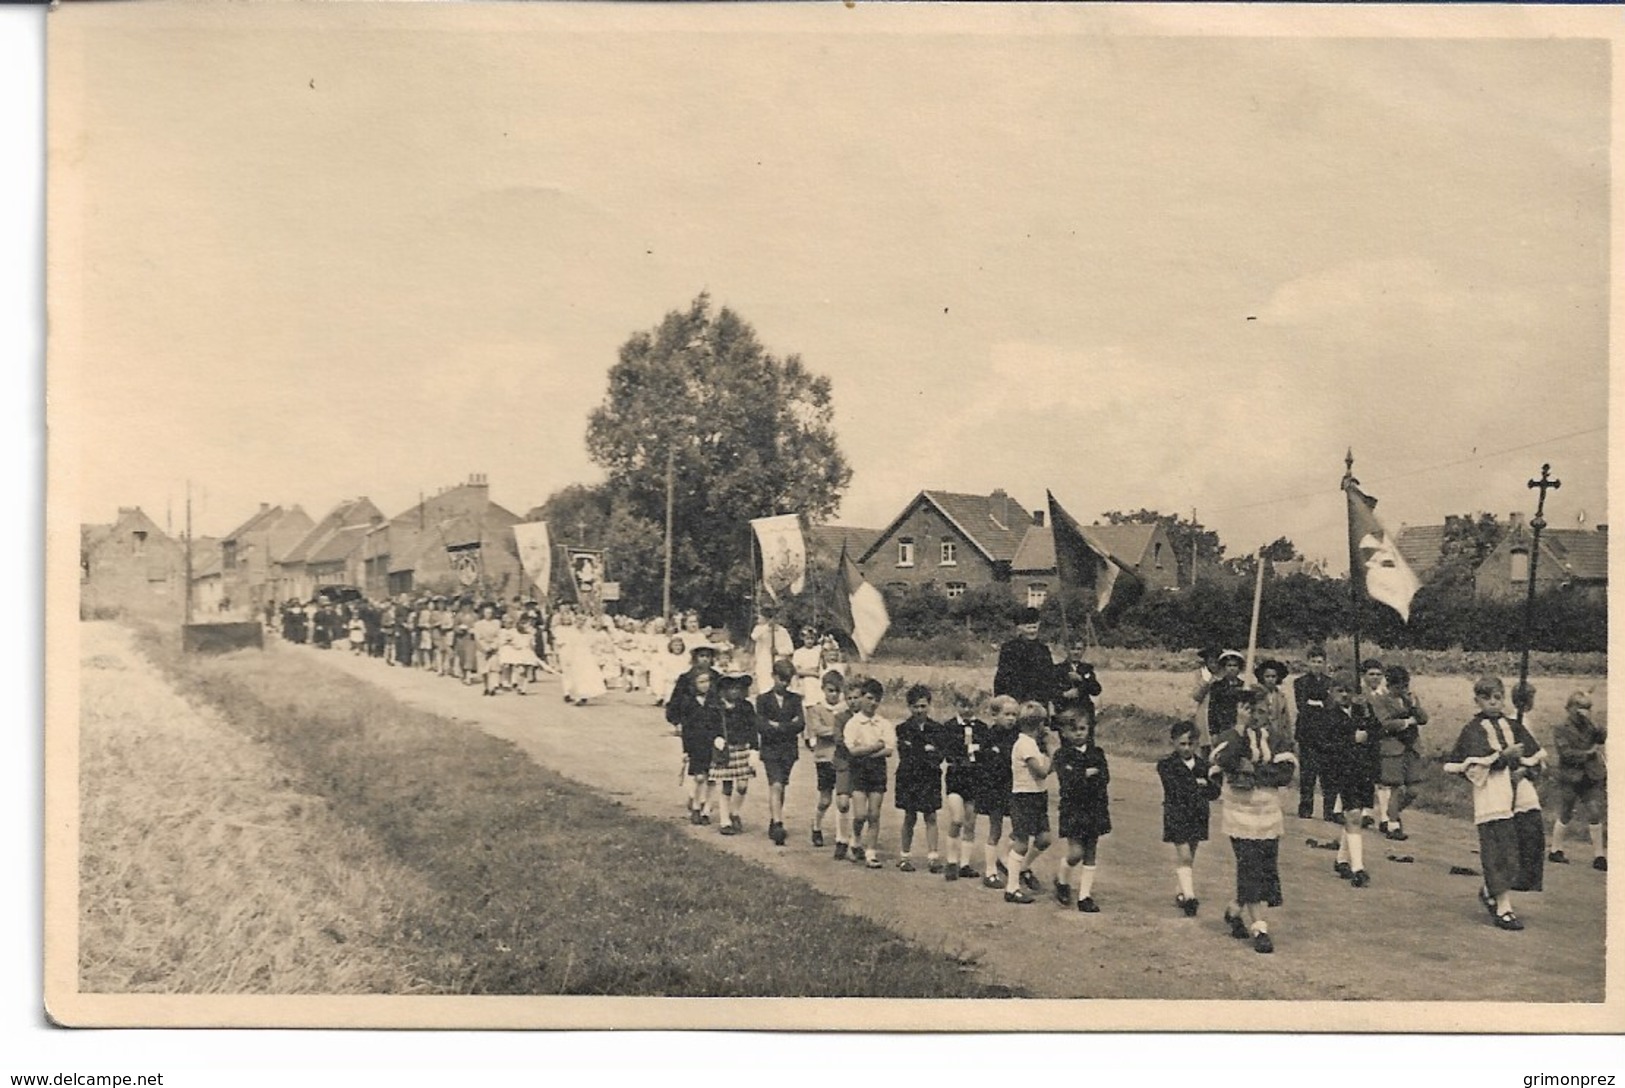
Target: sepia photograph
[{"x": 1009, "y": 517}]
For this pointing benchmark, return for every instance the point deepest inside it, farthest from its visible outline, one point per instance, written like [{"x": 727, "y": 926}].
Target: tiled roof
[
  {"x": 995, "y": 527},
  {"x": 1126, "y": 542},
  {"x": 1421, "y": 546},
  {"x": 347, "y": 513},
  {"x": 340, "y": 546},
  {"x": 826, "y": 540},
  {"x": 1582, "y": 552},
  {"x": 260, "y": 519}
]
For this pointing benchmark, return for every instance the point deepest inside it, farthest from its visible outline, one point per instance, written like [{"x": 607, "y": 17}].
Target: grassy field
[
  {"x": 532, "y": 884},
  {"x": 205, "y": 870}
]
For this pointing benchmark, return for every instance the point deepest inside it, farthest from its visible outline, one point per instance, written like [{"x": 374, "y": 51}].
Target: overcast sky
[{"x": 1168, "y": 272}]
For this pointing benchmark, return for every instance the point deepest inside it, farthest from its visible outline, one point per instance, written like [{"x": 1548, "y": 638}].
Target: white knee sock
[
  {"x": 990, "y": 854},
  {"x": 1086, "y": 881},
  {"x": 1599, "y": 849},
  {"x": 1012, "y": 862},
  {"x": 1560, "y": 831},
  {"x": 1068, "y": 874},
  {"x": 1356, "y": 851},
  {"x": 1187, "y": 882}
]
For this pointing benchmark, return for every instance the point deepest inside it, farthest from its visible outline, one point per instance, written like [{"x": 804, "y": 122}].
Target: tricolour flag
[
  {"x": 860, "y": 610},
  {"x": 1373, "y": 559},
  {"x": 1081, "y": 562},
  {"x": 784, "y": 554},
  {"x": 535, "y": 553}
]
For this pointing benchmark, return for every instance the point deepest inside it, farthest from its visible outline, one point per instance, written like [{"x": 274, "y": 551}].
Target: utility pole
[{"x": 671, "y": 486}]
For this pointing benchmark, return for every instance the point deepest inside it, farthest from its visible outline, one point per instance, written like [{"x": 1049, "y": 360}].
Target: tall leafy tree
[{"x": 746, "y": 433}]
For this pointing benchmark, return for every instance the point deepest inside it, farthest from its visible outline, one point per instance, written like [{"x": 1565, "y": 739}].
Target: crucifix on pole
[{"x": 1543, "y": 485}]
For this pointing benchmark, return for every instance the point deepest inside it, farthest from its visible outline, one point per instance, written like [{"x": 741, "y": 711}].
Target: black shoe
[
  {"x": 1397, "y": 834},
  {"x": 935, "y": 866},
  {"x": 694, "y": 817},
  {"x": 951, "y": 873},
  {"x": 1343, "y": 870},
  {"x": 1600, "y": 864},
  {"x": 840, "y": 851},
  {"x": 705, "y": 819},
  {"x": 1336, "y": 818},
  {"x": 967, "y": 872},
  {"x": 729, "y": 829},
  {"x": 1508, "y": 920},
  {"x": 817, "y": 837},
  {"x": 1063, "y": 893},
  {"x": 1558, "y": 857},
  {"x": 776, "y": 833},
  {"x": 1028, "y": 880},
  {"x": 992, "y": 880},
  {"x": 1191, "y": 906},
  {"x": 1360, "y": 879},
  {"x": 857, "y": 853},
  {"x": 1368, "y": 821},
  {"x": 1238, "y": 928},
  {"x": 1262, "y": 943},
  {"x": 738, "y": 824},
  {"x": 905, "y": 865},
  {"x": 1306, "y": 813},
  {"x": 1018, "y": 896},
  {"x": 1086, "y": 905}
]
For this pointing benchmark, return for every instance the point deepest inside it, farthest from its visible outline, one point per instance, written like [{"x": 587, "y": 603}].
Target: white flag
[
  {"x": 535, "y": 552},
  {"x": 784, "y": 553}
]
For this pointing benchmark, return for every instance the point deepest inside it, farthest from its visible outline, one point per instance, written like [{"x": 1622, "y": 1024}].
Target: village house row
[{"x": 945, "y": 540}]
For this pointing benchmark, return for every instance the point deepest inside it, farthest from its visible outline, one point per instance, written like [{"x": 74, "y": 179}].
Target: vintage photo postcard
[{"x": 838, "y": 517}]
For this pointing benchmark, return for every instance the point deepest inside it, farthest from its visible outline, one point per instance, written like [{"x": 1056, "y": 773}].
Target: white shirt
[{"x": 1021, "y": 776}]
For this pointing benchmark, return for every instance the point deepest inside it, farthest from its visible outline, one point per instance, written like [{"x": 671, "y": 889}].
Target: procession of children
[{"x": 1356, "y": 741}]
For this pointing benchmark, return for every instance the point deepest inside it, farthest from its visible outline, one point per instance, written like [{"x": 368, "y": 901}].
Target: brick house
[
  {"x": 1147, "y": 550},
  {"x": 330, "y": 554},
  {"x": 456, "y": 537},
  {"x": 955, "y": 542},
  {"x": 251, "y": 555},
  {"x": 1571, "y": 560},
  {"x": 131, "y": 564}
]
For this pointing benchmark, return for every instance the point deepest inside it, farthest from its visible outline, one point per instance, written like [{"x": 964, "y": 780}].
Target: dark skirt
[
  {"x": 698, "y": 750},
  {"x": 1513, "y": 853},
  {"x": 1258, "y": 871}
]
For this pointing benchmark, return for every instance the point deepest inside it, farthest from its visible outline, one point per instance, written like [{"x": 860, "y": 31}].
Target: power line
[{"x": 1501, "y": 452}]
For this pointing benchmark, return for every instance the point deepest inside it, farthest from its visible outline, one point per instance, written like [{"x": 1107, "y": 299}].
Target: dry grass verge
[
  {"x": 538, "y": 885},
  {"x": 203, "y": 869}
]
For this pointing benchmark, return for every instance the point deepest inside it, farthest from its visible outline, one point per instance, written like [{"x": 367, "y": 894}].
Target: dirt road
[{"x": 1416, "y": 934}]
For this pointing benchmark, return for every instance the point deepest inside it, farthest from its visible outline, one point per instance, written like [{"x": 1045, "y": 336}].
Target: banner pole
[
  {"x": 1354, "y": 554},
  {"x": 1258, "y": 601}
]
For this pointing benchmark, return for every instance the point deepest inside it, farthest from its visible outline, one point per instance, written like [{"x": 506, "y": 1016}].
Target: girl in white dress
[{"x": 583, "y": 679}]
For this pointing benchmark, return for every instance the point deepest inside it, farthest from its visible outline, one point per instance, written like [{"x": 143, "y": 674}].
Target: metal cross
[{"x": 1544, "y": 484}]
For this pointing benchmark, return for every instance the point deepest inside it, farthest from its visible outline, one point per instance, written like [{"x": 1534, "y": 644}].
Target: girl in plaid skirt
[{"x": 741, "y": 733}]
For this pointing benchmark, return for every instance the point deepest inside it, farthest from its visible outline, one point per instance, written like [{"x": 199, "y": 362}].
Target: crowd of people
[{"x": 1353, "y": 743}]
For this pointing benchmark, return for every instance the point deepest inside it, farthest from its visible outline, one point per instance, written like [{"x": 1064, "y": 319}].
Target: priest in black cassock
[{"x": 1026, "y": 670}]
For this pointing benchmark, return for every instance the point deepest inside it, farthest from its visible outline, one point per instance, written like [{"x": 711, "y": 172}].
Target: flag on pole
[
  {"x": 1380, "y": 567},
  {"x": 859, "y": 609},
  {"x": 784, "y": 554},
  {"x": 1082, "y": 563},
  {"x": 535, "y": 553}
]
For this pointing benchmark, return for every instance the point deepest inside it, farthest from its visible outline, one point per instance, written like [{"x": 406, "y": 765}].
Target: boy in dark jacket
[
  {"x": 918, "y": 789},
  {"x": 780, "y": 714}
]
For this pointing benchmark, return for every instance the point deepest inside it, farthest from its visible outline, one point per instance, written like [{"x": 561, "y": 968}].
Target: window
[
  {"x": 896, "y": 588},
  {"x": 138, "y": 541},
  {"x": 1037, "y": 594},
  {"x": 905, "y": 552},
  {"x": 1156, "y": 554},
  {"x": 1520, "y": 566},
  {"x": 954, "y": 590},
  {"x": 950, "y": 554}
]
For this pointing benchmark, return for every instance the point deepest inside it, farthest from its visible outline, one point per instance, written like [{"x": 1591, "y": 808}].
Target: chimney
[
  {"x": 1038, "y": 519},
  {"x": 264, "y": 506},
  {"x": 1603, "y": 528}
]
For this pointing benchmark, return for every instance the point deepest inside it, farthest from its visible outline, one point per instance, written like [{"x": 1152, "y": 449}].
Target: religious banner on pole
[
  {"x": 784, "y": 554},
  {"x": 465, "y": 563},
  {"x": 535, "y": 553},
  {"x": 586, "y": 575},
  {"x": 1375, "y": 561}
]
